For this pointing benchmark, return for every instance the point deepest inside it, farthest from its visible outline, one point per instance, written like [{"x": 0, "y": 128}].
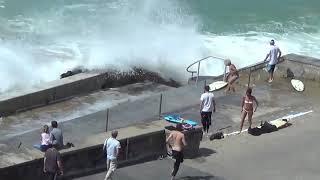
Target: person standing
[
  {"x": 178, "y": 143},
  {"x": 52, "y": 165},
  {"x": 232, "y": 76},
  {"x": 111, "y": 148},
  {"x": 56, "y": 135},
  {"x": 247, "y": 107},
  {"x": 207, "y": 106},
  {"x": 274, "y": 57}
]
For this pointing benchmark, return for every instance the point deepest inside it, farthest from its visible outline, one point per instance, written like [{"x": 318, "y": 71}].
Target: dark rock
[{"x": 71, "y": 73}]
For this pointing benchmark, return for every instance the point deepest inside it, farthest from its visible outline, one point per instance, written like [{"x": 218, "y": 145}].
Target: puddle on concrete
[{"x": 76, "y": 107}]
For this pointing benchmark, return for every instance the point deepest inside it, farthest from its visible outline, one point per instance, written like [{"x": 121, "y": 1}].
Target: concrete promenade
[{"x": 288, "y": 154}]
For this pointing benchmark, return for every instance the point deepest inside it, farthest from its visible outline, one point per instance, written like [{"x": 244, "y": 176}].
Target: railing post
[
  {"x": 160, "y": 106},
  {"x": 249, "y": 79},
  {"x": 204, "y": 85},
  {"x": 107, "y": 121},
  {"x": 198, "y": 72},
  {"x": 127, "y": 149}
]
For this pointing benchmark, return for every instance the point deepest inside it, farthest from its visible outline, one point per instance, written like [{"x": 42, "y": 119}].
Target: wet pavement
[{"x": 76, "y": 107}]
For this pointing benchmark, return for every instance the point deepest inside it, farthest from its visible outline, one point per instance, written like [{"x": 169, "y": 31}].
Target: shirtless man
[
  {"x": 233, "y": 75},
  {"x": 178, "y": 142}
]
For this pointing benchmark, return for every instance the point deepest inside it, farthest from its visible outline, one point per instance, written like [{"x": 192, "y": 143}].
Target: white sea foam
[{"x": 161, "y": 36}]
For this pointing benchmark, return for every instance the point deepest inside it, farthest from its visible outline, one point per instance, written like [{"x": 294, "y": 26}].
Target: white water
[{"x": 158, "y": 35}]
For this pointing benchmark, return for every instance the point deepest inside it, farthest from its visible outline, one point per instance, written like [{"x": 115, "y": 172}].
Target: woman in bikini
[
  {"x": 247, "y": 107},
  {"x": 232, "y": 76}
]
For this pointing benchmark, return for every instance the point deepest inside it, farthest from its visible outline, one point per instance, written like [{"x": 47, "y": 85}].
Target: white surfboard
[
  {"x": 297, "y": 85},
  {"x": 279, "y": 123},
  {"x": 217, "y": 85}
]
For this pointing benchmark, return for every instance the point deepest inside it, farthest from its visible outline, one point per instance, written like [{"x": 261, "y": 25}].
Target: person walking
[
  {"x": 207, "y": 106},
  {"x": 232, "y": 76},
  {"x": 274, "y": 57},
  {"x": 177, "y": 142},
  {"x": 111, "y": 148},
  {"x": 52, "y": 165},
  {"x": 247, "y": 107}
]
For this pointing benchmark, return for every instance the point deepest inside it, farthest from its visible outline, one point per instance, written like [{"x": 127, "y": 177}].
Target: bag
[
  {"x": 217, "y": 135},
  {"x": 268, "y": 128},
  {"x": 255, "y": 131}
]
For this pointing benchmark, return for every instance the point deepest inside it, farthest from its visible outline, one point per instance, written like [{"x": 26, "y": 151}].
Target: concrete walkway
[
  {"x": 288, "y": 154},
  {"x": 155, "y": 170}
]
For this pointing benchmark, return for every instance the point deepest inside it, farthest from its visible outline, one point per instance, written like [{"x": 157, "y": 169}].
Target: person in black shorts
[
  {"x": 206, "y": 121},
  {"x": 178, "y": 142},
  {"x": 207, "y": 106}
]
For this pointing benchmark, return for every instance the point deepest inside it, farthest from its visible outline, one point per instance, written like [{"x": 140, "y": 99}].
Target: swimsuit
[{"x": 248, "y": 102}]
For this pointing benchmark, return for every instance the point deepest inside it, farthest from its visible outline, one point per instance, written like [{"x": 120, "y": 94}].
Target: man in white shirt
[
  {"x": 111, "y": 148},
  {"x": 274, "y": 56},
  {"x": 207, "y": 106}
]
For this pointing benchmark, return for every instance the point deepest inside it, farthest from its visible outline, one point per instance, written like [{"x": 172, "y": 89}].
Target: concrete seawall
[
  {"x": 69, "y": 87},
  {"x": 83, "y": 83},
  {"x": 50, "y": 93},
  {"x": 301, "y": 67},
  {"x": 91, "y": 160},
  {"x": 148, "y": 144}
]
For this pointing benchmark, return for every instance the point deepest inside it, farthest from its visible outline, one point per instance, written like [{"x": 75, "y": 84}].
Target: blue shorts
[{"x": 271, "y": 68}]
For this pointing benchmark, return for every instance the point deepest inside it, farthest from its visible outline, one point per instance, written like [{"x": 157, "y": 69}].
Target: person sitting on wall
[
  {"x": 45, "y": 142},
  {"x": 56, "y": 137}
]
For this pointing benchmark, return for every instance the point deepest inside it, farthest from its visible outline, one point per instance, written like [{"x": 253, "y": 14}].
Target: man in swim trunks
[
  {"x": 178, "y": 142},
  {"x": 232, "y": 76},
  {"x": 274, "y": 56}
]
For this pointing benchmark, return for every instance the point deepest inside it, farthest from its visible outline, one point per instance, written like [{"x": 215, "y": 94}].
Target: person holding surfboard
[
  {"x": 207, "y": 106},
  {"x": 247, "y": 107},
  {"x": 232, "y": 76},
  {"x": 274, "y": 56}
]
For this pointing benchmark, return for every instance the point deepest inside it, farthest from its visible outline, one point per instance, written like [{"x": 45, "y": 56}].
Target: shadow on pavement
[{"x": 205, "y": 152}]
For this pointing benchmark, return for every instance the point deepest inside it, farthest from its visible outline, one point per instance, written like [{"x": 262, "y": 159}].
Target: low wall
[
  {"x": 69, "y": 87},
  {"x": 91, "y": 160},
  {"x": 50, "y": 93},
  {"x": 193, "y": 138},
  {"x": 302, "y": 67}
]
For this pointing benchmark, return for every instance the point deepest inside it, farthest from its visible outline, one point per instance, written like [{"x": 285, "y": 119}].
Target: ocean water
[{"x": 40, "y": 39}]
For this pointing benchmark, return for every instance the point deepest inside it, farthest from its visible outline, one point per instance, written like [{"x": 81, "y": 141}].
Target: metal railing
[{"x": 199, "y": 63}]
